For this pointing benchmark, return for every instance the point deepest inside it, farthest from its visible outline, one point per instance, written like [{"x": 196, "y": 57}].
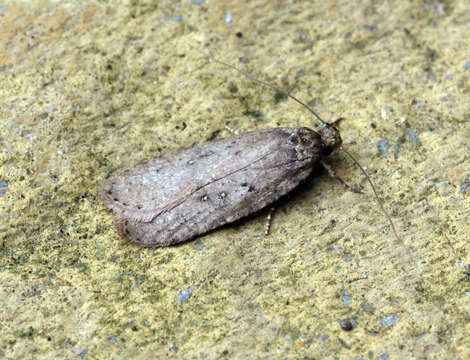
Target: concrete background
[{"x": 91, "y": 88}]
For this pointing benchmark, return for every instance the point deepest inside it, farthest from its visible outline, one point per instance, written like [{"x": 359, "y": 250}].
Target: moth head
[{"x": 330, "y": 138}]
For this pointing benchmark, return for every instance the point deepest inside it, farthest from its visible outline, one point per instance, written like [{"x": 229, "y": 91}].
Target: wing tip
[{"x": 124, "y": 229}]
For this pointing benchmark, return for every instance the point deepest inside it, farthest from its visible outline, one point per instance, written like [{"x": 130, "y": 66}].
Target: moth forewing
[{"x": 186, "y": 193}]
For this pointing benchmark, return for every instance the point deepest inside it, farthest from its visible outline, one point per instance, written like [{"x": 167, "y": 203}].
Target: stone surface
[{"x": 89, "y": 89}]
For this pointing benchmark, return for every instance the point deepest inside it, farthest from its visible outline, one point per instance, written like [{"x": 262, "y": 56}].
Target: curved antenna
[
  {"x": 261, "y": 82},
  {"x": 387, "y": 215}
]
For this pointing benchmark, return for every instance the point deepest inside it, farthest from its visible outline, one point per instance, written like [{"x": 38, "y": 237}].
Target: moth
[{"x": 186, "y": 193}]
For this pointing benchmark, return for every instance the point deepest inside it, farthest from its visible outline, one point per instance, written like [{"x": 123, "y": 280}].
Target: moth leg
[
  {"x": 337, "y": 121},
  {"x": 268, "y": 221},
  {"x": 232, "y": 130},
  {"x": 333, "y": 174}
]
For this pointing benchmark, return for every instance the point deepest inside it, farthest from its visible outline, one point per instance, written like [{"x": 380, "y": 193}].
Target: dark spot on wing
[
  {"x": 250, "y": 187},
  {"x": 205, "y": 154}
]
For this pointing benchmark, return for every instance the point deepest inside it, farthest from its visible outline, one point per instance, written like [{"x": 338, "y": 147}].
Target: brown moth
[
  {"x": 189, "y": 192},
  {"x": 186, "y": 193}
]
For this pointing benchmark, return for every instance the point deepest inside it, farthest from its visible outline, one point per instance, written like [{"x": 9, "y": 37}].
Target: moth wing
[
  {"x": 270, "y": 175},
  {"x": 156, "y": 186}
]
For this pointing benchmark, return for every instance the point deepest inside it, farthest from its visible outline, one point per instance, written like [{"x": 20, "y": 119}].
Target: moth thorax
[{"x": 330, "y": 138}]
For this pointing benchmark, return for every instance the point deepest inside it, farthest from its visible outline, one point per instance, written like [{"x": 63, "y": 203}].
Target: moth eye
[{"x": 326, "y": 151}]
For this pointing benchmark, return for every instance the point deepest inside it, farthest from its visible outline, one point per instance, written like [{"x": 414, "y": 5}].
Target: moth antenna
[
  {"x": 261, "y": 82},
  {"x": 387, "y": 215}
]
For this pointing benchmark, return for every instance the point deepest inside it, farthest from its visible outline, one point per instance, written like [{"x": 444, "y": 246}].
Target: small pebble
[
  {"x": 383, "y": 146},
  {"x": 412, "y": 136},
  {"x": 347, "y": 325},
  {"x": 465, "y": 187},
  {"x": 184, "y": 295},
  {"x": 346, "y": 298},
  {"x": 80, "y": 352},
  {"x": 389, "y": 320},
  {"x": 198, "y": 246}
]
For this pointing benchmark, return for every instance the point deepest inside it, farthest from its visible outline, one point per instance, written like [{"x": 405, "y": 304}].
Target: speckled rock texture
[{"x": 88, "y": 89}]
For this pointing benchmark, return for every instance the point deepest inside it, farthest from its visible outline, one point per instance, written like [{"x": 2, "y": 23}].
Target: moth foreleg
[
  {"x": 333, "y": 174},
  {"x": 268, "y": 220}
]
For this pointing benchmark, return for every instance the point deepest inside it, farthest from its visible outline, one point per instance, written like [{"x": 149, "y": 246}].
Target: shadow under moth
[{"x": 186, "y": 193}]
